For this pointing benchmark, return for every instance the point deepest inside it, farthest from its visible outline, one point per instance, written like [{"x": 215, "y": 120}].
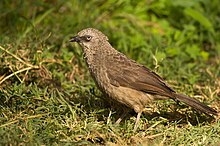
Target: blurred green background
[{"x": 48, "y": 97}]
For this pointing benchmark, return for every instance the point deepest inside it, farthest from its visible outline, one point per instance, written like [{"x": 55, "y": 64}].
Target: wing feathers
[{"x": 136, "y": 77}]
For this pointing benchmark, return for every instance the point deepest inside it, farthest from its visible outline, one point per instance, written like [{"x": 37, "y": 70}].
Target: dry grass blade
[
  {"x": 24, "y": 118},
  {"x": 30, "y": 66}
]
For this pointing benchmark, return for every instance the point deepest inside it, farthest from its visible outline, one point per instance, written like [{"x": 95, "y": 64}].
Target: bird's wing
[{"x": 127, "y": 73}]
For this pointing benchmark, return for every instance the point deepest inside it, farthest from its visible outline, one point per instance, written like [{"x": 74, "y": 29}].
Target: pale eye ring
[{"x": 88, "y": 38}]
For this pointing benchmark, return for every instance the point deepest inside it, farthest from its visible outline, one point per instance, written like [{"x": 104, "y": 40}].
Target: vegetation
[{"x": 47, "y": 96}]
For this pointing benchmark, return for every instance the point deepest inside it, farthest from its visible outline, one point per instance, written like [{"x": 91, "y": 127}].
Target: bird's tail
[{"x": 195, "y": 104}]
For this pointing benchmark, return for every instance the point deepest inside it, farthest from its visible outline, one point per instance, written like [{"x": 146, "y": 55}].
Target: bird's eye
[{"x": 88, "y": 38}]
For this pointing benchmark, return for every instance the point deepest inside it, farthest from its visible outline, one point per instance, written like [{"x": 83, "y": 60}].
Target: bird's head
[{"x": 89, "y": 38}]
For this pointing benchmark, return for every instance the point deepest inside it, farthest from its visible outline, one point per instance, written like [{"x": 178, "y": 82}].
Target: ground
[{"x": 47, "y": 96}]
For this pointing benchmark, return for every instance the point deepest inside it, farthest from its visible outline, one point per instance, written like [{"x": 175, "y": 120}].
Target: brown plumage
[{"x": 123, "y": 79}]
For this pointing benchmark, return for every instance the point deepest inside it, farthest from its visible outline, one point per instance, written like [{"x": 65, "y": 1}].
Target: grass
[{"x": 47, "y": 96}]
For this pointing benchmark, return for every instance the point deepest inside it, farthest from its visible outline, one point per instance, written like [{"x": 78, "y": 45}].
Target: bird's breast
[{"x": 97, "y": 69}]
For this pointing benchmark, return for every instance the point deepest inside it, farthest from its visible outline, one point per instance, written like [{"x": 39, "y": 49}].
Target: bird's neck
[
  {"x": 97, "y": 54},
  {"x": 89, "y": 55}
]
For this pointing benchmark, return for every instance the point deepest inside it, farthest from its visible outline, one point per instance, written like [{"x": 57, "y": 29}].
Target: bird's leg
[
  {"x": 137, "y": 121},
  {"x": 125, "y": 112}
]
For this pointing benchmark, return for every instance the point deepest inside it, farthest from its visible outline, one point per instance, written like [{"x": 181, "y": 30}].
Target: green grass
[{"x": 47, "y": 96}]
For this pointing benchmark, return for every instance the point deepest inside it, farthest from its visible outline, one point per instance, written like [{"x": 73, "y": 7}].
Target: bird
[{"x": 125, "y": 81}]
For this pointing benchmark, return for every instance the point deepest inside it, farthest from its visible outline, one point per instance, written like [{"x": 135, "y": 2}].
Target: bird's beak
[{"x": 75, "y": 39}]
